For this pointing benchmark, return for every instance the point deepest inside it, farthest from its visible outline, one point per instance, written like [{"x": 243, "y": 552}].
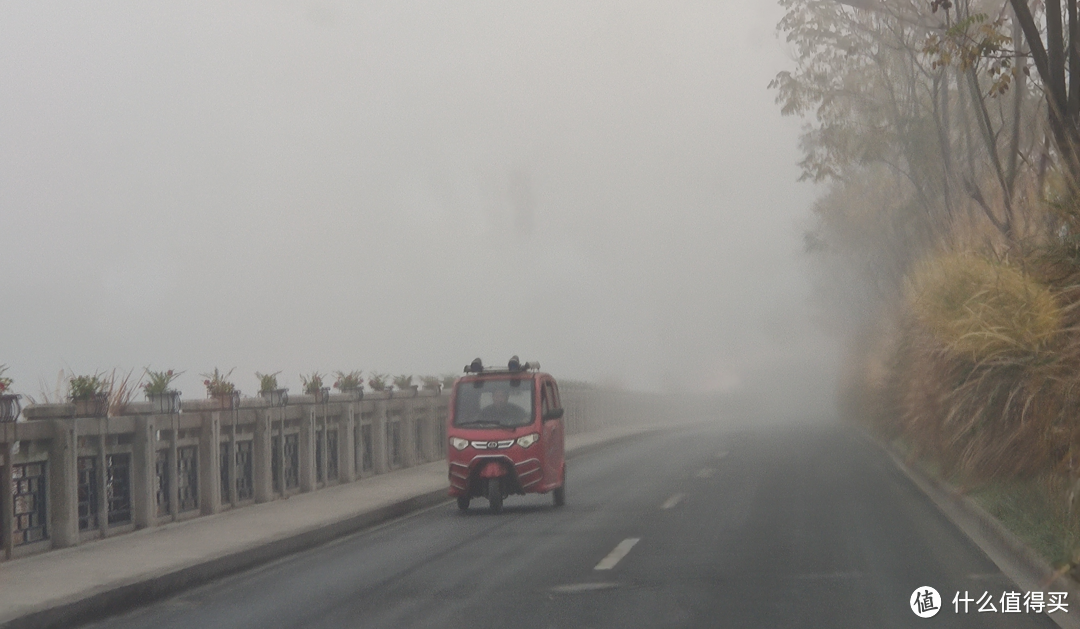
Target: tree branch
[
  {"x": 1074, "y": 63},
  {"x": 1033, "y": 38}
]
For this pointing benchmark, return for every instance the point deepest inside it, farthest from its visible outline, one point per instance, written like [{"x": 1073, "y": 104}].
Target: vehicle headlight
[
  {"x": 528, "y": 440},
  {"x": 459, "y": 443}
]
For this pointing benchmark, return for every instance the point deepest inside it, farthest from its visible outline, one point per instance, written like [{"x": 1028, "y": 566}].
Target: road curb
[
  {"x": 123, "y": 597},
  {"x": 127, "y": 596},
  {"x": 1012, "y": 555}
]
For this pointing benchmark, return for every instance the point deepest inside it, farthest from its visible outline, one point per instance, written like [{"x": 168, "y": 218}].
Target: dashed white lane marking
[
  {"x": 617, "y": 553},
  {"x": 705, "y": 473},
  {"x": 575, "y": 588},
  {"x": 721, "y": 454},
  {"x": 826, "y": 576},
  {"x": 672, "y": 501}
]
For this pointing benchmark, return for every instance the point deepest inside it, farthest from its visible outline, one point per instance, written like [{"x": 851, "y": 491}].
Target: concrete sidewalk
[{"x": 68, "y": 586}]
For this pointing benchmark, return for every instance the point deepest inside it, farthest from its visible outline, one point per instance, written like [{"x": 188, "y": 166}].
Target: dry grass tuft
[
  {"x": 983, "y": 381},
  {"x": 120, "y": 387},
  {"x": 983, "y": 309},
  {"x": 121, "y": 391},
  {"x": 54, "y": 394}
]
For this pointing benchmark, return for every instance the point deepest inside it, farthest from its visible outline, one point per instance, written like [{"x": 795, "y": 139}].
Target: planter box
[
  {"x": 226, "y": 402},
  {"x": 277, "y": 397},
  {"x": 353, "y": 394},
  {"x": 322, "y": 396},
  {"x": 96, "y": 405},
  {"x": 165, "y": 403}
]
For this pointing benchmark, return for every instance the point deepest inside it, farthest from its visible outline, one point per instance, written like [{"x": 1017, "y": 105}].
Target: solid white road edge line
[
  {"x": 672, "y": 501},
  {"x": 617, "y": 553}
]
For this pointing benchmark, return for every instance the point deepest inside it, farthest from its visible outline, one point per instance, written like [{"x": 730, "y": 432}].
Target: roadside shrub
[{"x": 983, "y": 309}]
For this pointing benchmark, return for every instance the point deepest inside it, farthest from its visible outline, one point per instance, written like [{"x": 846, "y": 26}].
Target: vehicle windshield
[{"x": 507, "y": 403}]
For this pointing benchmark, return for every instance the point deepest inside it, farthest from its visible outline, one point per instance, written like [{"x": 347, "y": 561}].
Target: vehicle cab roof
[
  {"x": 514, "y": 370},
  {"x": 504, "y": 375}
]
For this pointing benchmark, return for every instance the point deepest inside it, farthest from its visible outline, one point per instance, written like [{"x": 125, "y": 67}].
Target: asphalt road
[{"x": 772, "y": 527}]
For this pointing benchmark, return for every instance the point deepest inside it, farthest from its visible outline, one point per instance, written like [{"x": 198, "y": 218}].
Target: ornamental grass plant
[
  {"x": 983, "y": 380},
  {"x": 312, "y": 383},
  {"x": 267, "y": 381},
  {"x": 977, "y": 370},
  {"x": 121, "y": 389},
  {"x": 377, "y": 381},
  {"x": 351, "y": 381},
  {"x": 86, "y": 387},
  {"x": 983, "y": 309},
  {"x": 159, "y": 382},
  {"x": 5, "y": 382},
  {"x": 218, "y": 384}
]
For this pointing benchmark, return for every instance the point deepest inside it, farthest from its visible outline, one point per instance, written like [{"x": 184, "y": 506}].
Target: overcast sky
[{"x": 605, "y": 187}]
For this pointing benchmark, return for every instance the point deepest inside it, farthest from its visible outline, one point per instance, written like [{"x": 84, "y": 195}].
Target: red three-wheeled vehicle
[{"x": 506, "y": 434}]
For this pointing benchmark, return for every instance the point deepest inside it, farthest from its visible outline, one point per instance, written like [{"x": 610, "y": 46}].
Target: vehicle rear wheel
[
  {"x": 559, "y": 494},
  {"x": 495, "y": 496},
  {"x": 463, "y": 503}
]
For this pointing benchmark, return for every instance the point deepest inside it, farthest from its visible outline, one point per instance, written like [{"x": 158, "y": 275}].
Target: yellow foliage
[{"x": 983, "y": 309}]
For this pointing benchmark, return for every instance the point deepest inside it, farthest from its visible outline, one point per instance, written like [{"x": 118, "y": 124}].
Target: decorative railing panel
[
  {"x": 292, "y": 461},
  {"x": 29, "y": 500},
  {"x": 226, "y": 477},
  {"x": 367, "y": 450},
  {"x": 118, "y": 488},
  {"x": 396, "y": 454},
  {"x": 187, "y": 478},
  {"x": 320, "y": 455},
  {"x": 245, "y": 487},
  {"x": 161, "y": 484},
  {"x": 87, "y": 493},
  {"x": 250, "y": 451},
  {"x": 331, "y": 454}
]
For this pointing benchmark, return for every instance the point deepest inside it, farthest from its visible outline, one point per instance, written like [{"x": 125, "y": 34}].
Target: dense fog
[{"x": 605, "y": 187}]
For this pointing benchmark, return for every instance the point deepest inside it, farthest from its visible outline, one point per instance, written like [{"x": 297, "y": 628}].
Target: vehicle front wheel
[
  {"x": 463, "y": 503},
  {"x": 495, "y": 496},
  {"x": 559, "y": 494}
]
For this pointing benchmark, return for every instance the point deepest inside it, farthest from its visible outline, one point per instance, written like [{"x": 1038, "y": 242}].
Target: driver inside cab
[{"x": 501, "y": 410}]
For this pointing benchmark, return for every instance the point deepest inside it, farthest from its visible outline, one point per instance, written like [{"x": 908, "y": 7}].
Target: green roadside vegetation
[
  {"x": 1032, "y": 509},
  {"x": 1033, "y": 513}
]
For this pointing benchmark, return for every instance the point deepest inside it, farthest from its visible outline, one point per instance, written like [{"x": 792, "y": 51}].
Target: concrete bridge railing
[{"x": 68, "y": 480}]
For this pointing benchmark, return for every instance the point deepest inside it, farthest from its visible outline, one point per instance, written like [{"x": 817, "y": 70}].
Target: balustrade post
[
  {"x": 143, "y": 458},
  {"x": 346, "y": 438},
  {"x": 322, "y": 443},
  {"x": 63, "y": 490},
  {"x": 358, "y": 444},
  {"x": 172, "y": 471},
  {"x": 430, "y": 429},
  {"x": 7, "y": 489},
  {"x": 306, "y": 446},
  {"x": 210, "y": 463},
  {"x": 102, "y": 476},
  {"x": 261, "y": 456},
  {"x": 378, "y": 431},
  {"x": 230, "y": 495},
  {"x": 408, "y": 427}
]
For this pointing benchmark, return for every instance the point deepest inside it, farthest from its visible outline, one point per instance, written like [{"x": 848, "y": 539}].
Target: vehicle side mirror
[{"x": 555, "y": 413}]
